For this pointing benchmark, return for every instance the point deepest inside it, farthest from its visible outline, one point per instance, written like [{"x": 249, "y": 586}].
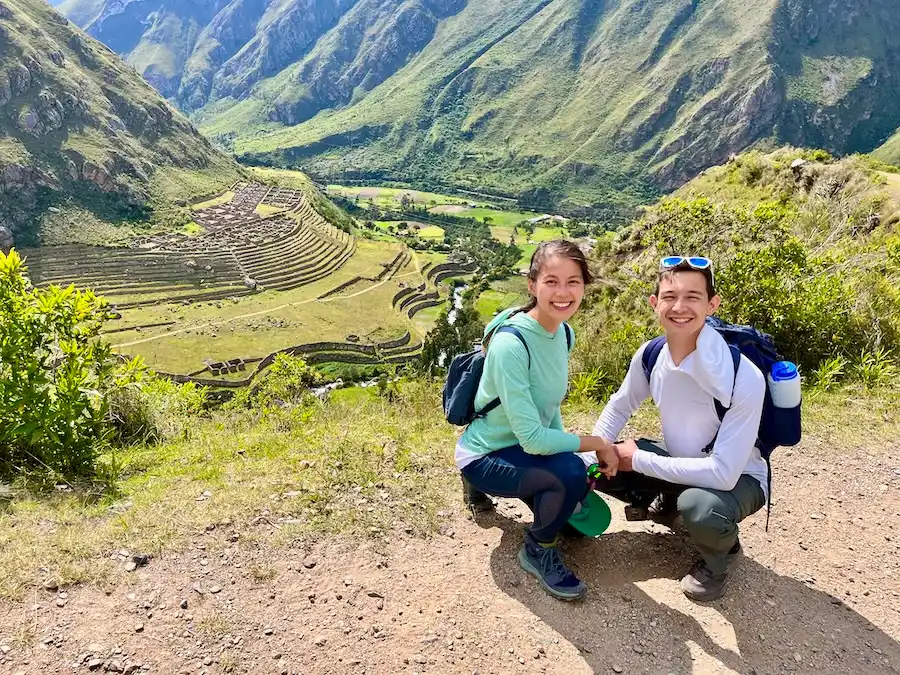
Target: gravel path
[{"x": 820, "y": 593}]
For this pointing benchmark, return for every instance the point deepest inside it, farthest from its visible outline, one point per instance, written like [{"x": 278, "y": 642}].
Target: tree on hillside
[{"x": 446, "y": 340}]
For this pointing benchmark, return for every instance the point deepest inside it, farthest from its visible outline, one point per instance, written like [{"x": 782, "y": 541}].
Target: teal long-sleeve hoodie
[{"x": 528, "y": 414}]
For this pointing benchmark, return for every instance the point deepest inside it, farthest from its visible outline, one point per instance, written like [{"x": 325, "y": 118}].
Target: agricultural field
[
  {"x": 391, "y": 198},
  {"x": 502, "y": 295}
]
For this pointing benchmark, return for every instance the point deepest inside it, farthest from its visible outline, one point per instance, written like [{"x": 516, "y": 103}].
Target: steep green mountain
[
  {"x": 890, "y": 151},
  {"x": 79, "y": 128},
  {"x": 601, "y": 100}
]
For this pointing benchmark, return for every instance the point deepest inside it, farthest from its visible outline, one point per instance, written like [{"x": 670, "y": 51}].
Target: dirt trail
[{"x": 820, "y": 593}]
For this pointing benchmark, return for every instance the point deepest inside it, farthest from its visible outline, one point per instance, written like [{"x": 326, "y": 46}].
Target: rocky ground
[{"x": 818, "y": 593}]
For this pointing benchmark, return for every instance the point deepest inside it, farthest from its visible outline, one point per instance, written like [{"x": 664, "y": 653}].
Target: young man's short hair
[{"x": 669, "y": 273}]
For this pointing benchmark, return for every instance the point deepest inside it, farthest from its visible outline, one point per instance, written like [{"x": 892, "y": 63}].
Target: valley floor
[{"x": 818, "y": 593}]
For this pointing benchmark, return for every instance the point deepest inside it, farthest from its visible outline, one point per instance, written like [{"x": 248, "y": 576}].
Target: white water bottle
[{"x": 784, "y": 385}]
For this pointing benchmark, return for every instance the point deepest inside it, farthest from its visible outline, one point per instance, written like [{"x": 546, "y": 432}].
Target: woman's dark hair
[{"x": 558, "y": 247}]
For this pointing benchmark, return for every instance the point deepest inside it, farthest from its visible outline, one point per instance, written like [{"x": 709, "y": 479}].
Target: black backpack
[{"x": 464, "y": 375}]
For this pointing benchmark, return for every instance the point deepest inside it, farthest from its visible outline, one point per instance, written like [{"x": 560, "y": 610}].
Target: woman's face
[{"x": 558, "y": 288}]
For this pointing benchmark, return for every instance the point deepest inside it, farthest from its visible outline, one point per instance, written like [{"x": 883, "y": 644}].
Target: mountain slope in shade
[{"x": 76, "y": 122}]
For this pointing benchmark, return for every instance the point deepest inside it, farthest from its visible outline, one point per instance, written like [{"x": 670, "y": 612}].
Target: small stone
[
  {"x": 320, "y": 641},
  {"x": 61, "y": 602},
  {"x": 276, "y": 655},
  {"x": 207, "y": 661},
  {"x": 184, "y": 604},
  {"x": 130, "y": 566},
  {"x": 138, "y": 628},
  {"x": 4, "y": 650},
  {"x": 268, "y": 631},
  {"x": 379, "y": 604},
  {"x": 797, "y": 657},
  {"x": 93, "y": 664},
  {"x": 50, "y": 585},
  {"x": 348, "y": 581},
  {"x": 115, "y": 667},
  {"x": 618, "y": 669},
  {"x": 420, "y": 659},
  {"x": 215, "y": 589},
  {"x": 309, "y": 562}
]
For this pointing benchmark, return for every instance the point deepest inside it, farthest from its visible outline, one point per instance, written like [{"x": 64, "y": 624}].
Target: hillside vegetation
[
  {"x": 81, "y": 132},
  {"x": 601, "y": 103},
  {"x": 808, "y": 251}
]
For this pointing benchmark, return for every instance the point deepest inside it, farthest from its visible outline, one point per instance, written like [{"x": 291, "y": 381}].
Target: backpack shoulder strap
[
  {"x": 651, "y": 354},
  {"x": 515, "y": 331},
  {"x": 569, "y": 337},
  {"x": 736, "y": 358}
]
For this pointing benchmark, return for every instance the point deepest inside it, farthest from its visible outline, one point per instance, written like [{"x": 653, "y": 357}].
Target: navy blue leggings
[{"x": 551, "y": 484}]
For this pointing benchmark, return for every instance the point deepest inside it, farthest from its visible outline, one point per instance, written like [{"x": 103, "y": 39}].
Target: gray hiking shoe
[
  {"x": 701, "y": 585},
  {"x": 543, "y": 562}
]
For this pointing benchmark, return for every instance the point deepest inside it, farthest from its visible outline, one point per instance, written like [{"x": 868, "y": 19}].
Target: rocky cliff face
[{"x": 74, "y": 118}]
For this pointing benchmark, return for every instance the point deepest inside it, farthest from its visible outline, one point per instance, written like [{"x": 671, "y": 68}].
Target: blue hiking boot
[{"x": 543, "y": 561}]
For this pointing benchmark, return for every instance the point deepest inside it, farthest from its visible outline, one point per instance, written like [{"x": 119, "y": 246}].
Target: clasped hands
[{"x": 612, "y": 457}]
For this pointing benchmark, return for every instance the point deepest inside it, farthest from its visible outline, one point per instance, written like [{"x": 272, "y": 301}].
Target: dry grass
[{"x": 312, "y": 471}]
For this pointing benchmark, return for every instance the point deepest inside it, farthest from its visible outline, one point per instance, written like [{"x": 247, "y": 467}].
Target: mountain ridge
[
  {"x": 77, "y": 125},
  {"x": 605, "y": 101}
]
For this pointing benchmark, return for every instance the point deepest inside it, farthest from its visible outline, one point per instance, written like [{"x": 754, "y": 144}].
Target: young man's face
[{"x": 683, "y": 303}]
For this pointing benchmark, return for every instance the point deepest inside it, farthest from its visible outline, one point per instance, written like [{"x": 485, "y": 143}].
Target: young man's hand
[{"x": 626, "y": 450}]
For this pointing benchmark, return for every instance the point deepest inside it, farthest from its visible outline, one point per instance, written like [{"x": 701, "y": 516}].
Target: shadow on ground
[{"x": 635, "y": 617}]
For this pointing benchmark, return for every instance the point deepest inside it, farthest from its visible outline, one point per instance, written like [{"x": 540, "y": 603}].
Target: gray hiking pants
[{"x": 711, "y": 517}]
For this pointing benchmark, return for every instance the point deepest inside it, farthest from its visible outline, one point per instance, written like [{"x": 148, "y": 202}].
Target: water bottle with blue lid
[{"x": 784, "y": 385}]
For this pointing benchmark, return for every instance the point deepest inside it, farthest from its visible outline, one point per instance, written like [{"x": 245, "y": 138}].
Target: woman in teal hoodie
[{"x": 519, "y": 449}]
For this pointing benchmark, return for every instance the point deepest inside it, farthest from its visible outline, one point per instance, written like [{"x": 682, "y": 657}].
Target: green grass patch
[
  {"x": 501, "y": 295},
  {"x": 268, "y": 210},
  {"x": 431, "y": 232},
  {"x": 224, "y": 198}
]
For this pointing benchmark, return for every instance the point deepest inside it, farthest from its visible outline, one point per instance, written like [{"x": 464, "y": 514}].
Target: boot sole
[{"x": 559, "y": 595}]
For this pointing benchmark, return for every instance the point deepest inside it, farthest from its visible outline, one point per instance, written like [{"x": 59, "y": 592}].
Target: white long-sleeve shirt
[{"x": 685, "y": 396}]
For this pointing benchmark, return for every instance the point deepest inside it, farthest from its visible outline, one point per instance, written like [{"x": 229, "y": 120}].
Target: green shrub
[
  {"x": 603, "y": 350},
  {"x": 56, "y": 375},
  {"x": 876, "y": 368},
  {"x": 804, "y": 303},
  {"x": 286, "y": 382},
  {"x": 155, "y": 410}
]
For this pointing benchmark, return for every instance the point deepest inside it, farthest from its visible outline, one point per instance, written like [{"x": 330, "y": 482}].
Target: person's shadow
[{"x": 635, "y": 618}]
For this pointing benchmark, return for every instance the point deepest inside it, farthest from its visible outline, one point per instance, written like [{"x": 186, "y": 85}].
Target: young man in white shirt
[{"x": 707, "y": 470}]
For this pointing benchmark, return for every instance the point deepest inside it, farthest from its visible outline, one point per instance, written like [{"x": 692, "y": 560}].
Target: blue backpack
[
  {"x": 464, "y": 375},
  {"x": 777, "y": 426}
]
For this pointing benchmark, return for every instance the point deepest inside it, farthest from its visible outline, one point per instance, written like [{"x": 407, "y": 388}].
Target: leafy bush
[
  {"x": 56, "y": 375},
  {"x": 287, "y": 381},
  {"x": 155, "y": 410},
  {"x": 806, "y": 304}
]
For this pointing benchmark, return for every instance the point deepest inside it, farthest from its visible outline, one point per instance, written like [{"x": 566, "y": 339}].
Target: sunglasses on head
[{"x": 694, "y": 262}]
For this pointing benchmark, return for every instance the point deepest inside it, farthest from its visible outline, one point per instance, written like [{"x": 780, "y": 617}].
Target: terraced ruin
[
  {"x": 239, "y": 252},
  {"x": 266, "y": 274},
  {"x": 408, "y": 301}
]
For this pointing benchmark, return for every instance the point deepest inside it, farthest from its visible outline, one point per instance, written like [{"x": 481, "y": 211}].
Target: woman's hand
[
  {"x": 606, "y": 454},
  {"x": 608, "y": 459}
]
